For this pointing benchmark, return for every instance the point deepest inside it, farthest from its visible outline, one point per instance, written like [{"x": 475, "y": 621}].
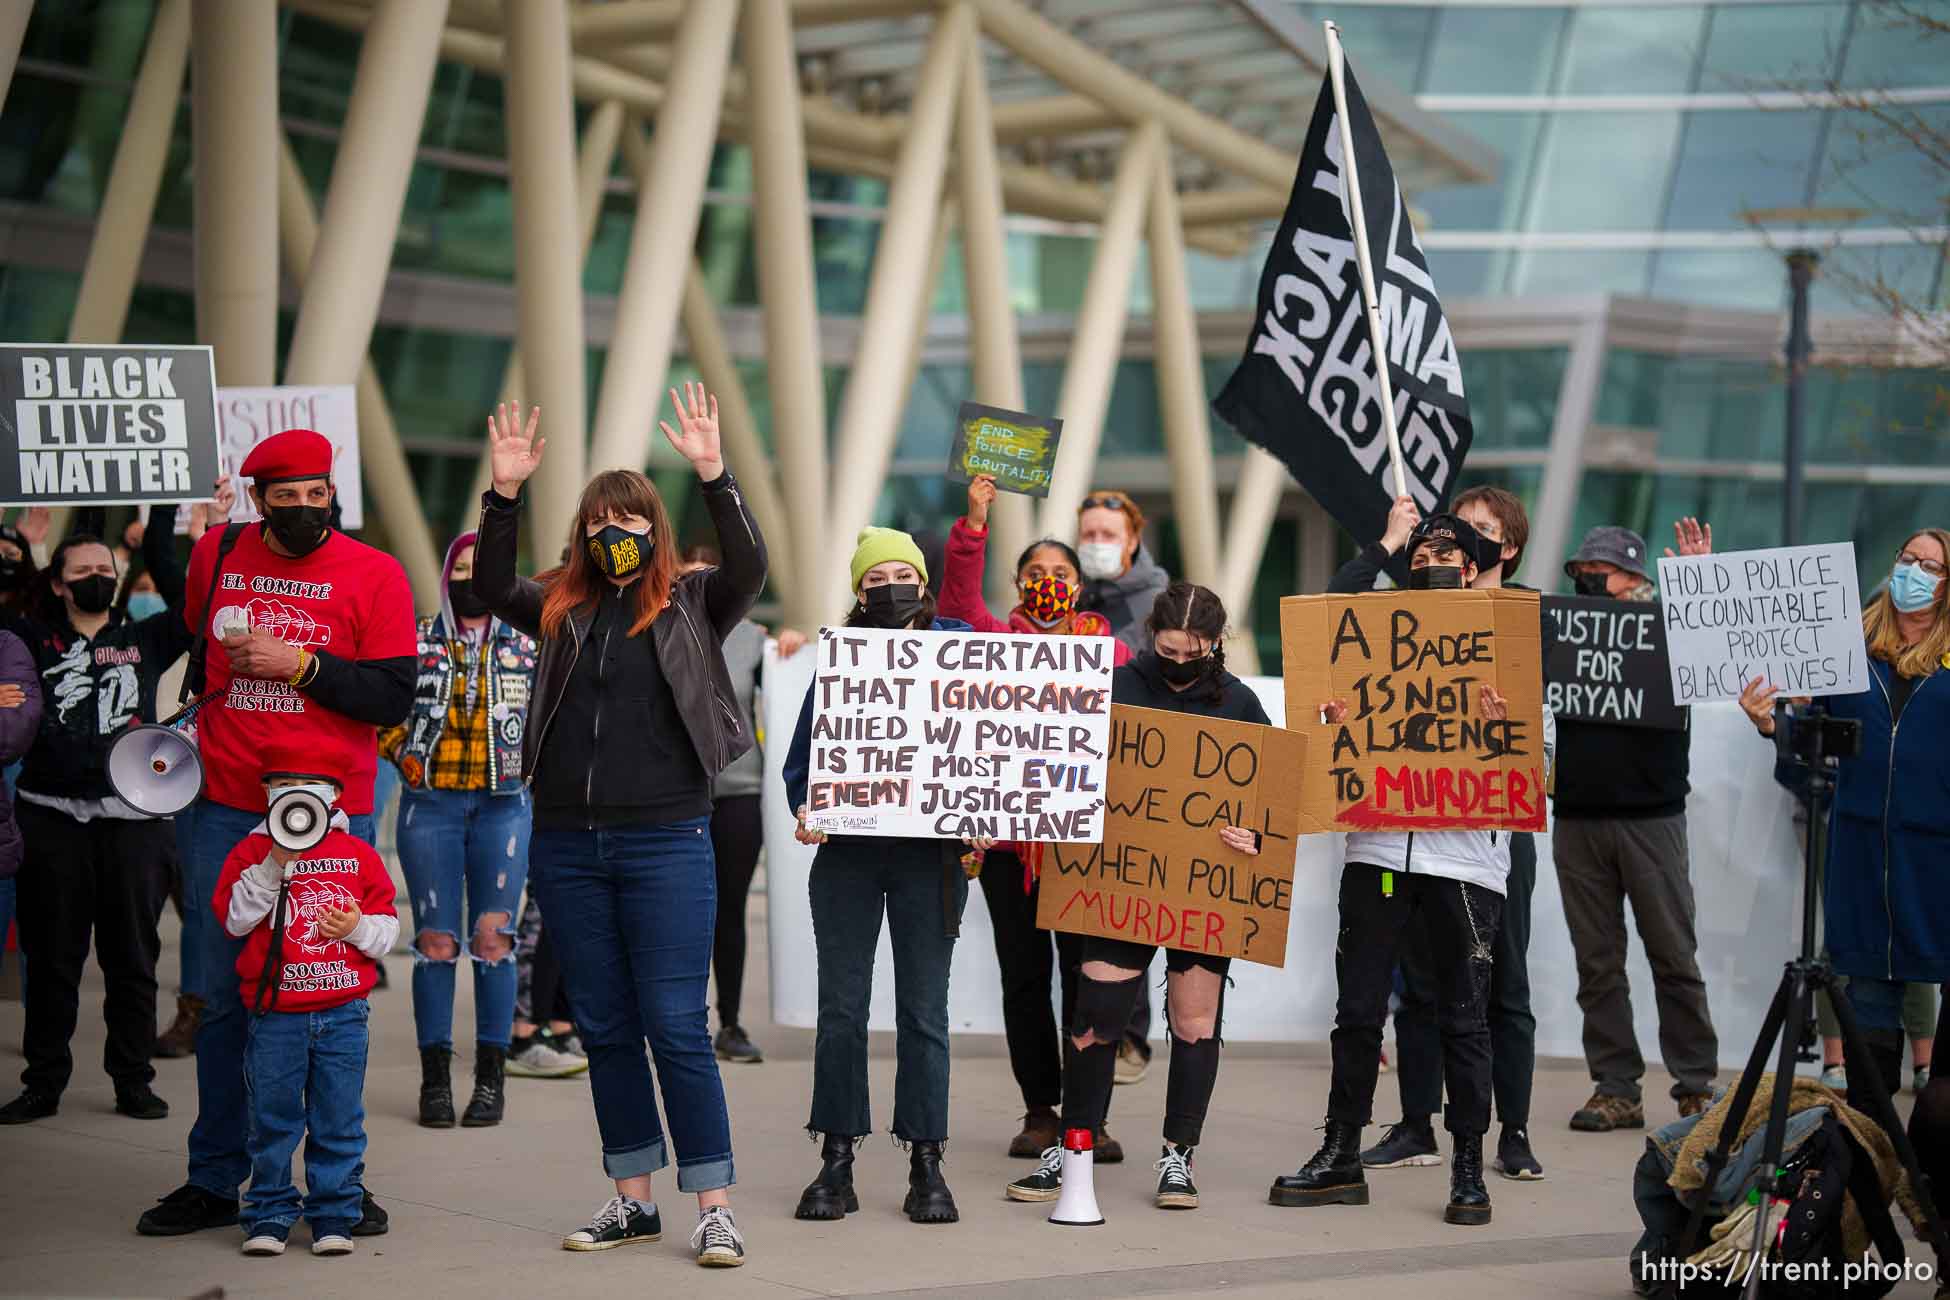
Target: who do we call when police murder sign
[
  {"x": 943, "y": 735},
  {"x": 106, "y": 425}
]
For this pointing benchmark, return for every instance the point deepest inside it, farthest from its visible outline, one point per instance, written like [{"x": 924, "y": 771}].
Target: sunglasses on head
[{"x": 1113, "y": 501}]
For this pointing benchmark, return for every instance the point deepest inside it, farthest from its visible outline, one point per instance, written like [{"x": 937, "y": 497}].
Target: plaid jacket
[{"x": 444, "y": 745}]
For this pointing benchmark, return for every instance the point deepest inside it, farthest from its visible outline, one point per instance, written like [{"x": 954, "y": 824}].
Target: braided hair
[{"x": 1188, "y": 607}]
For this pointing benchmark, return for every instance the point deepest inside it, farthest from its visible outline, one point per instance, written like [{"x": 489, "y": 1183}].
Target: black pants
[
  {"x": 1458, "y": 929},
  {"x": 111, "y": 878},
  {"x": 1513, "y": 1029},
  {"x": 737, "y": 834},
  {"x": 1028, "y": 959}
]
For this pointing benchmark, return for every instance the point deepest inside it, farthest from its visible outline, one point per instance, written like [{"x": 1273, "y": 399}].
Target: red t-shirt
[
  {"x": 318, "y": 973},
  {"x": 346, "y": 599}
]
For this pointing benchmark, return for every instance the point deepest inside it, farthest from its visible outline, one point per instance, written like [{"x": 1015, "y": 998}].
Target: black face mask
[
  {"x": 1436, "y": 577},
  {"x": 894, "y": 605},
  {"x": 299, "y": 529},
  {"x": 618, "y": 552},
  {"x": 1184, "y": 675},
  {"x": 1591, "y": 584},
  {"x": 11, "y": 572},
  {"x": 460, "y": 594},
  {"x": 93, "y": 594}
]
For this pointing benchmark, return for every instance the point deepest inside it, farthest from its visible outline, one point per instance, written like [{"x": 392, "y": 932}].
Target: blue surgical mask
[
  {"x": 142, "y": 604},
  {"x": 1912, "y": 589}
]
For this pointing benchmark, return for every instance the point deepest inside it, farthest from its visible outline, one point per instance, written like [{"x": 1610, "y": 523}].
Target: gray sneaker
[{"x": 542, "y": 1060}]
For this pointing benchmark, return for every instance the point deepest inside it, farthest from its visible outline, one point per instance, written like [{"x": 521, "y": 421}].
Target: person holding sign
[
  {"x": 1048, "y": 583},
  {"x": 1886, "y": 900},
  {"x": 1183, "y": 671},
  {"x": 633, "y": 702},
  {"x": 1446, "y": 887},
  {"x": 920, "y": 887}
]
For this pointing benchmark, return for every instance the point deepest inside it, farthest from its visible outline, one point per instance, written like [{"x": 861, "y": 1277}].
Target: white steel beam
[
  {"x": 1179, "y": 366},
  {"x": 234, "y": 174}
]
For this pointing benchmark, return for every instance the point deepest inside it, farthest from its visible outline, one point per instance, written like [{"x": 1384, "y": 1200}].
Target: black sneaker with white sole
[
  {"x": 1046, "y": 1184},
  {"x": 621, "y": 1222},
  {"x": 716, "y": 1239},
  {"x": 1514, "y": 1158},
  {"x": 1176, "y": 1191},
  {"x": 1406, "y": 1145}
]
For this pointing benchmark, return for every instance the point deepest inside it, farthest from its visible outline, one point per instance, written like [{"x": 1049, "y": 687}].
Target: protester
[
  {"x": 304, "y": 636},
  {"x": 312, "y": 925},
  {"x": 17, "y": 568},
  {"x": 1182, "y": 671},
  {"x": 1499, "y": 519},
  {"x": 737, "y": 828},
  {"x": 635, "y": 702},
  {"x": 463, "y": 832},
  {"x": 94, "y": 865},
  {"x": 1047, "y": 586},
  {"x": 921, "y": 888},
  {"x": 1887, "y": 896},
  {"x": 20, "y": 721},
  {"x": 1444, "y": 888},
  {"x": 543, "y": 1043},
  {"x": 1620, "y": 834}
]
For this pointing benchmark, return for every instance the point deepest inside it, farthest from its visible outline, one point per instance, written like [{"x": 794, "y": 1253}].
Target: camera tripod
[{"x": 1789, "y": 1017}]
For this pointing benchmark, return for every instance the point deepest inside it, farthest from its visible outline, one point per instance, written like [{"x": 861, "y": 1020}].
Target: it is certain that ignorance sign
[
  {"x": 1789, "y": 614},
  {"x": 1162, "y": 875},
  {"x": 950, "y": 734},
  {"x": 106, "y": 425}
]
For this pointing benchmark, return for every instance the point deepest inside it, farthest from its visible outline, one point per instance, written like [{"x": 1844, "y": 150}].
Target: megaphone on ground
[
  {"x": 155, "y": 770},
  {"x": 298, "y": 819},
  {"x": 1077, "y": 1206}
]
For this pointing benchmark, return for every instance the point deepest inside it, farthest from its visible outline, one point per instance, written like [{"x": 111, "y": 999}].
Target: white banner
[
  {"x": 960, "y": 734},
  {"x": 247, "y": 416},
  {"x": 1790, "y": 614}
]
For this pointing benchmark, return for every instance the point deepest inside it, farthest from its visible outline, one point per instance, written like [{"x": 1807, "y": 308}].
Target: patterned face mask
[{"x": 1048, "y": 601}]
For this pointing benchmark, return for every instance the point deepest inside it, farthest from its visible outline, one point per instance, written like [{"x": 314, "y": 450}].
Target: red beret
[
  {"x": 292, "y": 758},
  {"x": 295, "y": 453}
]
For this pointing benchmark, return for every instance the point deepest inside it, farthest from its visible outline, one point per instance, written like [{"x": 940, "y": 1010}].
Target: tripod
[{"x": 1817, "y": 742}]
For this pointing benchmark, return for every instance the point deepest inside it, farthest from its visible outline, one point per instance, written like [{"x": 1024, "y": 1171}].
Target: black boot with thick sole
[
  {"x": 1333, "y": 1177},
  {"x": 830, "y": 1196},
  {"x": 1469, "y": 1200},
  {"x": 928, "y": 1197},
  {"x": 490, "y": 1087},
  {"x": 436, "y": 1087}
]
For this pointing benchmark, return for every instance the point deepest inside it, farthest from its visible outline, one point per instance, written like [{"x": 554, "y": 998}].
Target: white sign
[
  {"x": 940, "y": 735},
  {"x": 1791, "y": 615},
  {"x": 247, "y": 416}
]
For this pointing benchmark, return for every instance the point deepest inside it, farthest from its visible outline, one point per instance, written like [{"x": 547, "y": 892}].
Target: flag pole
[{"x": 1358, "y": 220}]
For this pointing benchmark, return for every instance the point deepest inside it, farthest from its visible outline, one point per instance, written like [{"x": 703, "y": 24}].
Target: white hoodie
[{"x": 1475, "y": 857}]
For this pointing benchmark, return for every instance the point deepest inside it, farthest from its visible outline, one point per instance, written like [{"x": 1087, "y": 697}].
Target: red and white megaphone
[{"x": 1076, "y": 1207}]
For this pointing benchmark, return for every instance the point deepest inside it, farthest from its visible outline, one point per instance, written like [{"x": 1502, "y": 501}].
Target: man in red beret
[{"x": 306, "y": 639}]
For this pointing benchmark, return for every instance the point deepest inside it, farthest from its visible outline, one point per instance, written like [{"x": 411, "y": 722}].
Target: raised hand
[
  {"x": 1402, "y": 518},
  {"x": 981, "y": 495},
  {"x": 1692, "y": 536},
  {"x": 1757, "y": 700},
  {"x": 33, "y": 524},
  {"x": 513, "y": 452},
  {"x": 223, "y": 498},
  {"x": 696, "y": 435}
]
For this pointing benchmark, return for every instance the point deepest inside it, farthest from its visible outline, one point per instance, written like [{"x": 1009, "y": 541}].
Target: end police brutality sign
[{"x": 106, "y": 425}]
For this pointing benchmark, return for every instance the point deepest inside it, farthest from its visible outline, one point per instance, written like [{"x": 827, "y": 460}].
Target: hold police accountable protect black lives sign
[
  {"x": 1605, "y": 661},
  {"x": 106, "y": 425}
]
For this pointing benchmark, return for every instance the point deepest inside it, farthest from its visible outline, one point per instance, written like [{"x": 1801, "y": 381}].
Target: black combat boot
[
  {"x": 928, "y": 1197},
  {"x": 830, "y": 1196},
  {"x": 490, "y": 1091},
  {"x": 436, "y": 1087},
  {"x": 1333, "y": 1177},
  {"x": 1469, "y": 1200}
]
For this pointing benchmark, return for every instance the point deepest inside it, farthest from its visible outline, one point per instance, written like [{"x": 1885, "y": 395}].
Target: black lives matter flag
[{"x": 1306, "y": 389}]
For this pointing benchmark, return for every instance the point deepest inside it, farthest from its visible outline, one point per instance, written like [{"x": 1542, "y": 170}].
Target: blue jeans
[
  {"x": 219, "y": 1162},
  {"x": 452, "y": 841},
  {"x": 305, "y": 1075},
  {"x": 853, "y": 882},
  {"x": 632, "y": 910},
  {"x": 1878, "y": 1003}
]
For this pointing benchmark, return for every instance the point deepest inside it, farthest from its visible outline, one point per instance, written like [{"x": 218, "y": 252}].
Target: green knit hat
[{"x": 879, "y": 545}]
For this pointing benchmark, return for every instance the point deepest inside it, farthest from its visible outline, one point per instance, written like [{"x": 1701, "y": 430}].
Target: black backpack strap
[
  {"x": 193, "y": 673},
  {"x": 1872, "y": 1203}
]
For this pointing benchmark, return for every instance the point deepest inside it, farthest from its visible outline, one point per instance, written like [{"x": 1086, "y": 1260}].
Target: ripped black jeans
[{"x": 1459, "y": 922}]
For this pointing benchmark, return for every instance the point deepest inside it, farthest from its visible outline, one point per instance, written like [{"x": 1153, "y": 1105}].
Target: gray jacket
[
  {"x": 744, "y": 657},
  {"x": 1127, "y": 601}
]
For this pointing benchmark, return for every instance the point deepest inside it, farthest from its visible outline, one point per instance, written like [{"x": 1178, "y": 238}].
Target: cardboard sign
[
  {"x": 106, "y": 425},
  {"x": 1789, "y": 614},
  {"x": 250, "y": 415},
  {"x": 1607, "y": 663},
  {"x": 1415, "y": 751},
  {"x": 1162, "y": 875},
  {"x": 940, "y": 735},
  {"x": 1017, "y": 448}
]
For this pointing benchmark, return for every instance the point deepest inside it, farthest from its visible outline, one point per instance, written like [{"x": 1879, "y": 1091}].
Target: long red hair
[{"x": 578, "y": 584}]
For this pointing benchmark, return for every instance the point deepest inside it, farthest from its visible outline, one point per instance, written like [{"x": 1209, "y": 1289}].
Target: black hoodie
[{"x": 1139, "y": 683}]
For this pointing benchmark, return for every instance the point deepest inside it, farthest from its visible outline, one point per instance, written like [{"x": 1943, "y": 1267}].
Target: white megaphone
[
  {"x": 1076, "y": 1207},
  {"x": 297, "y": 819},
  {"x": 154, "y": 769}
]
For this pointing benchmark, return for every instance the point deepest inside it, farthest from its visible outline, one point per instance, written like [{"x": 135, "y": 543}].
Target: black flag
[{"x": 1306, "y": 389}]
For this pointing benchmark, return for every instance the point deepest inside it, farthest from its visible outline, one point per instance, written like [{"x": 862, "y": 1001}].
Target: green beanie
[{"x": 879, "y": 545}]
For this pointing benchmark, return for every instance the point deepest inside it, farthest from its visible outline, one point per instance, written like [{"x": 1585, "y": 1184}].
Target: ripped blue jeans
[{"x": 471, "y": 847}]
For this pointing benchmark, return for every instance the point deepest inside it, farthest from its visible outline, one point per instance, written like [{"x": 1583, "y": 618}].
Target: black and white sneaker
[
  {"x": 1514, "y": 1158},
  {"x": 1407, "y": 1145},
  {"x": 716, "y": 1239},
  {"x": 621, "y": 1222},
  {"x": 1176, "y": 1190},
  {"x": 1046, "y": 1184}
]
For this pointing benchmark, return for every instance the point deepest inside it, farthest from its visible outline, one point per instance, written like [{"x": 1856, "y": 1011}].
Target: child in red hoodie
[{"x": 314, "y": 924}]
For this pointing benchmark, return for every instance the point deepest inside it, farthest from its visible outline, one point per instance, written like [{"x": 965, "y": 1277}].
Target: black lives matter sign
[
  {"x": 106, "y": 425},
  {"x": 1606, "y": 662}
]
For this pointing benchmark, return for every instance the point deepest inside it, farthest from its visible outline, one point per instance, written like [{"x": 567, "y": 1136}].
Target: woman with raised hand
[{"x": 633, "y": 714}]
